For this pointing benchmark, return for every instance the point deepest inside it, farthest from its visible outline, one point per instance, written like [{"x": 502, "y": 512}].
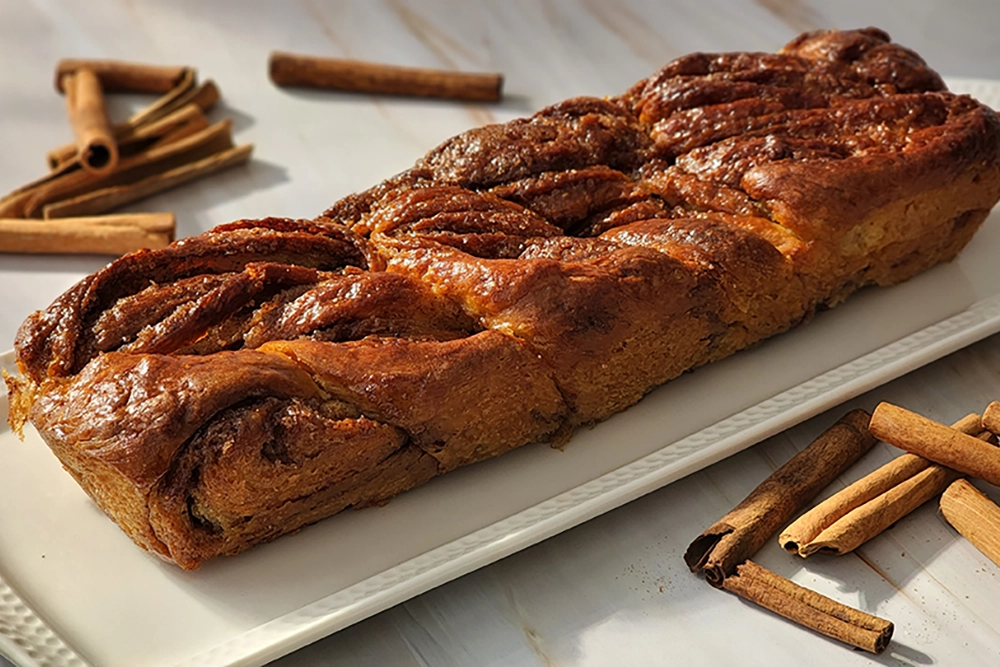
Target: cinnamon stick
[
  {"x": 203, "y": 97},
  {"x": 104, "y": 235},
  {"x": 32, "y": 202},
  {"x": 180, "y": 122},
  {"x": 123, "y": 76},
  {"x": 991, "y": 418},
  {"x": 138, "y": 176},
  {"x": 88, "y": 116},
  {"x": 936, "y": 442},
  {"x": 865, "y": 508},
  {"x": 740, "y": 533},
  {"x": 288, "y": 69},
  {"x": 12, "y": 203},
  {"x": 874, "y": 517},
  {"x": 973, "y": 515},
  {"x": 176, "y": 125},
  {"x": 110, "y": 198},
  {"x": 185, "y": 91},
  {"x": 808, "y": 608}
]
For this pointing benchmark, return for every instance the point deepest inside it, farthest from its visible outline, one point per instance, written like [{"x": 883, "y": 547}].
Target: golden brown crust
[
  {"x": 593, "y": 317},
  {"x": 519, "y": 280}
]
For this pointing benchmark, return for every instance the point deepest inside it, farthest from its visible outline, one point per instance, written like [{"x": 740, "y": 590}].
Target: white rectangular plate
[{"x": 74, "y": 589}]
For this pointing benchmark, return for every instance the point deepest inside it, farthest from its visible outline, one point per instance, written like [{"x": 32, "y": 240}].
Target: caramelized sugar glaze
[{"x": 520, "y": 280}]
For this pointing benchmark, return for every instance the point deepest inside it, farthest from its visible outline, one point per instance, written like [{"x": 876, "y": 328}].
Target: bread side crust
[{"x": 525, "y": 331}]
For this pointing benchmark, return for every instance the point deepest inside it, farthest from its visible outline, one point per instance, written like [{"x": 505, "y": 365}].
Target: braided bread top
[
  {"x": 519, "y": 280},
  {"x": 727, "y": 188}
]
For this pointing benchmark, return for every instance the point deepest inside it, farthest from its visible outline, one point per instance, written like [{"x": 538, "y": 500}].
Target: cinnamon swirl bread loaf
[{"x": 520, "y": 280}]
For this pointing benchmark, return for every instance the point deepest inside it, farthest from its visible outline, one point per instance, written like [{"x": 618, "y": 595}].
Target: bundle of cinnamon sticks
[
  {"x": 938, "y": 458},
  {"x": 109, "y": 165}
]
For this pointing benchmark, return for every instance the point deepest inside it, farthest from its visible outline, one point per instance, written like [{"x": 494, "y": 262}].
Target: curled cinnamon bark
[
  {"x": 864, "y": 509},
  {"x": 145, "y": 122},
  {"x": 117, "y": 195},
  {"x": 162, "y": 166},
  {"x": 88, "y": 116},
  {"x": 740, "y": 534}
]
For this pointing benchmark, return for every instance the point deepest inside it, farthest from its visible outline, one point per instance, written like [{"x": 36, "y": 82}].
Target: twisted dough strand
[{"x": 521, "y": 279}]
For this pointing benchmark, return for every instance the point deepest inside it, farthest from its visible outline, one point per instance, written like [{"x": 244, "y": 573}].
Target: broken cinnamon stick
[
  {"x": 808, "y": 608},
  {"x": 973, "y": 515},
  {"x": 865, "y": 508},
  {"x": 88, "y": 116},
  {"x": 936, "y": 442},
  {"x": 740, "y": 533},
  {"x": 288, "y": 69},
  {"x": 991, "y": 418},
  {"x": 123, "y": 76},
  {"x": 104, "y": 235}
]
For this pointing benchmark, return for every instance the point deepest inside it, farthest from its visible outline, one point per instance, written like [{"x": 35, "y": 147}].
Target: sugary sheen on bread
[{"x": 520, "y": 280}]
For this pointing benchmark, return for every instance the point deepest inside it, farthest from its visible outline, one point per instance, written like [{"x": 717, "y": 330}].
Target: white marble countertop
[{"x": 614, "y": 590}]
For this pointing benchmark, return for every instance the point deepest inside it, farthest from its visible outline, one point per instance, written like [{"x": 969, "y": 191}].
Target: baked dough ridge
[{"x": 521, "y": 280}]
